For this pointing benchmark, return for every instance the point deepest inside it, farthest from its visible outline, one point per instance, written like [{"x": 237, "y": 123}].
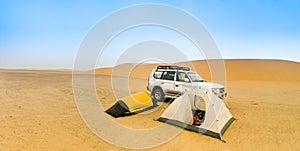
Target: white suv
[{"x": 172, "y": 81}]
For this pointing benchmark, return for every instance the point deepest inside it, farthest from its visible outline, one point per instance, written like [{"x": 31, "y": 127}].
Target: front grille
[{"x": 222, "y": 90}]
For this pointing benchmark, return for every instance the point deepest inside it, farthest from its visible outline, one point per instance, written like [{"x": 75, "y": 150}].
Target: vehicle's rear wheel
[{"x": 158, "y": 94}]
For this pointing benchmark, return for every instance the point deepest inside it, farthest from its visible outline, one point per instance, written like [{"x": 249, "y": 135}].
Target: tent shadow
[
  {"x": 138, "y": 112},
  {"x": 167, "y": 100},
  {"x": 127, "y": 114},
  {"x": 146, "y": 109}
]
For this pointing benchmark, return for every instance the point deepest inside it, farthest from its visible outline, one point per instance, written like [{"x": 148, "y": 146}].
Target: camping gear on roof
[
  {"x": 130, "y": 104},
  {"x": 183, "y": 111}
]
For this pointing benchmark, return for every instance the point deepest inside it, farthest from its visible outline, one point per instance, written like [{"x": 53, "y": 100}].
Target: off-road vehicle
[{"x": 172, "y": 81}]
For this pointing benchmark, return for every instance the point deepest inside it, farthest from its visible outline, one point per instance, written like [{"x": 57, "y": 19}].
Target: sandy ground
[{"x": 38, "y": 111}]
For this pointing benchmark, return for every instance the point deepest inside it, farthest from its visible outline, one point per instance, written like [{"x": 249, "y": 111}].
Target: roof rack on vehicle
[{"x": 174, "y": 68}]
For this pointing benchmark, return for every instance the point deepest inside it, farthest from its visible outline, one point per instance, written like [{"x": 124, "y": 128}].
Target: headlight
[
  {"x": 219, "y": 92},
  {"x": 216, "y": 90}
]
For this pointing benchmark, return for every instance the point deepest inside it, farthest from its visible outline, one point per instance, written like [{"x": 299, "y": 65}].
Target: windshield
[{"x": 195, "y": 77}]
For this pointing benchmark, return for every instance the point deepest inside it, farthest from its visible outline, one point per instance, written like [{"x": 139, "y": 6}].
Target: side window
[
  {"x": 157, "y": 74},
  {"x": 181, "y": 76},
  {"x": 168, "y": 75}
]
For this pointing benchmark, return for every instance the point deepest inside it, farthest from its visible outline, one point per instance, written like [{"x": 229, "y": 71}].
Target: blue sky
[{"x": 47, "y": 34}]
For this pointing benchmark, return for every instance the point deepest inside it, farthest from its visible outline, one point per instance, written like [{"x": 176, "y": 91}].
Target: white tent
[{"x": 181, "y": 112}]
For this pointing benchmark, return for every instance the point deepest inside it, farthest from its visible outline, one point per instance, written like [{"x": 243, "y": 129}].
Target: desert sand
[{"x": 38, "y": 111}]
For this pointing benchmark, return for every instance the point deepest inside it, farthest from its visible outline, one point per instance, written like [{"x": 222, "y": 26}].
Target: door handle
[
  {"x": 162, "y": 83},
  {"x": 176, "y": 85}
]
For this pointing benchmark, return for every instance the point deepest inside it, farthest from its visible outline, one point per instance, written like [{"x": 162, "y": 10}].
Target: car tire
[{"x": 158, "y": 94}]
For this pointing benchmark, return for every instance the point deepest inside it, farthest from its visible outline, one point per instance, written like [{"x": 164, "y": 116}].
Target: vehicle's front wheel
[{"x": 158, "y": 94}]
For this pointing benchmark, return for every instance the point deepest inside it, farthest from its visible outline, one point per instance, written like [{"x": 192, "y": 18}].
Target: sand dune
[
  {"x": 236, "y": 70},
  {"x": 263, "y": 70},
  {"x": 38, "y": 111}
]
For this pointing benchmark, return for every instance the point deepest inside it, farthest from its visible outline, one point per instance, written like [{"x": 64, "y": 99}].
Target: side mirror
[{"x": 186, "y": 80}]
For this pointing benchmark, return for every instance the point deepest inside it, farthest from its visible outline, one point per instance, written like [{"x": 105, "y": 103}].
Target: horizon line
[{"x": 63, "y": 68}]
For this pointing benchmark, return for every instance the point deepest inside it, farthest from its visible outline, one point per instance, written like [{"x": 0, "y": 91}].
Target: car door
[
  {"x": 167, "y": 81},
  {"x": 182, "y": 82}
]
